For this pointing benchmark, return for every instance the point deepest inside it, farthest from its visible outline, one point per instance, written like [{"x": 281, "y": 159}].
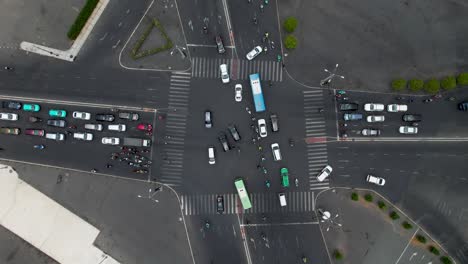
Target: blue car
[{"x": 350, "y": 117}]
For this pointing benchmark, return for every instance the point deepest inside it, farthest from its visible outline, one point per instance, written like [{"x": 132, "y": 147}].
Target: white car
[
  {"x": 238, "y": 92},
  {"x": 324, "y": 173},
  {"x": 371, "y": 107},
  {"x": 81, "y": 115},
  {"x": 83, "y": 136},
  {"x": 55, "y": 136},
  {"x": 408, "y": 130},
  {"x": 276, "y": 151},
  {"x": 254, "y": 53},
  {"x": 224, "y": 73},
  {"x": 375, "y": 180},
  {"x": 8, "y": 116},
  {"x": 393, "y": 108},
  {"x": 117, "y": 127},
  {"x": 262, "y": 127},
  {"x": 375, "y": 118},
  {"x": 110, "y": 141},
  {"x": 211, "y": 155}
]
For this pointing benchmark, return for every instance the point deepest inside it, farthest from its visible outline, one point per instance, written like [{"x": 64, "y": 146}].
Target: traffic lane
[{"x": 286, "y": 243}]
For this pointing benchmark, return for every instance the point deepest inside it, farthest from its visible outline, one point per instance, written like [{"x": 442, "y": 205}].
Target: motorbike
[
  {"x": 205, "y": 30},
  {"x": 415, "y": 124},
  {"x": 141, "y": 171},
  {"x": 34, "y": 119},
  {"x": 207, "y": 224},
  {"x": 296, "y": 181},
  {"x": 428, "y": 100},
  {"x": 39, "y": 146},
  {"x": 341, "y": 92},
  {"x": 267, "y": 183},
  {"x": 291, "y": 142}
]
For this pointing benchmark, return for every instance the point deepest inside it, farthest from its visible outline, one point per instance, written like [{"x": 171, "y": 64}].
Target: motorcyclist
[
  {"x": 267, "y": 183},
  {"x": 296, "y": 181},
  {"x": 304, "y": 259},
  {"x": 93, "y": 170},
  {"x": 207, "y": 224}
]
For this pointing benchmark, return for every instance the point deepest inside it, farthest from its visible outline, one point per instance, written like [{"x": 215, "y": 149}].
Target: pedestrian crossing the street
[
  {"x": 315, "y": 130},
  {"x": 175, "y": 130},
  {"x": 238, "y": 69},
  {"x": 203, "y": 204}
]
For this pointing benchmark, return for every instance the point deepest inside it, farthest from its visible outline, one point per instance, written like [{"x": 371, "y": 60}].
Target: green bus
[
  {"x": 243, "y": 194},
  {"x": 284, "y": 177}
]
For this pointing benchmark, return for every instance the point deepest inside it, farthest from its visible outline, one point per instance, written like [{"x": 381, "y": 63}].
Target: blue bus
[{"x": 257, "y": 92}]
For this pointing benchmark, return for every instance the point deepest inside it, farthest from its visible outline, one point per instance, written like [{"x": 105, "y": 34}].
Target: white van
[
  {"x": 118, "y": 127},
  {"x": 276, "y": 151},
  {"x": 282, "y": 198},
  {"x": 211, "y": 155},
  {"x": 97, "y": 127},
  {"x": 224, "y": 73},
  {"x": 55, "y": 136}
]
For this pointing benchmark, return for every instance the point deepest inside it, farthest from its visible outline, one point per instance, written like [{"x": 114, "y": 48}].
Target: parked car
[
  {"x": 375, "y": 118},
  {"x": 238, "y": 92},
  {"x": 81, "y": 115},
  {"x": 31, "y": 107},
  {"x": 56, "y": 123},
  {"x": 224, "y": 142},
  {"x": 208, "y": 121},
  {"x": 105, "y": 117},
  {"x": 11, "y": 105},
  {"x": 372, "y": 107},
  {"x": 274, "y": 123},
  {"x": 57, "y": 113},
  {"x": 10, "y": 131},
  {"x": 145, "y": 127},
  {"x": 117, "y": 127},
  {"x": 97, "y": 127},
  {"x": 211, "y": 155},
  {"x": 408, "y": 130},
  {"x": 254, "y": 53},
  {"x": 370, "y": 132},
  {"x": 324, "y": 173},
  {"x": 8, "y": 116},
  {"x": 351, "y": 117},
  {"x": 224, "y": 73},
  {"x": 129, "y": 116},
  {"x": 110, "y": 141},
  {"x": 375, "y": 180},
  {"x": 276, "y": 151},
  {"x": 349, "y": 107},
  {"x": 83, "y": 136},
  {"x": 55, "y": 136},
  {"x": 393, "y": 108},
  {"x": 219, "y": 44},
  {"x": 220, "y": 204},
  {"x": 463, "y": 106},
  {"x": 35, "y": 132},
  {"x": 234, "y": 133},
  {"x": 262, "y": 127},
  {"x": 412, "y": 118}
]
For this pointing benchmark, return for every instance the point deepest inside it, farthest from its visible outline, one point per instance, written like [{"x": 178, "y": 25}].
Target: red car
[
  {"x": 145, "y": 127},
  {"x": 35, "y": 132}
]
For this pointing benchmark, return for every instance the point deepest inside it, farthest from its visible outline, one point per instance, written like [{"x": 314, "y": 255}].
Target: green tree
[
  {"x": 399, "y": 84},
  {"x": 368, "y": 197},
  {"x": 448, "y": 83},
  {"x": 416, "y": 85},
  {"x": 381, "y": 205},
  {"x": 434, "y": 250},
  {"x": 337, "y": 254},
  {"x": 421, "y": 238},
  {"x": 290, "y": 24},
  {"x": 445, "y": 260},
  {"x": 406, "y": 225},
  {"x": 290, "y": 42},
  {"x": 354, "y": 196},
  {"x": 394, "y": 215},
  {"x": 462, "y": 79},
  {"x": 432, "y": 86}
]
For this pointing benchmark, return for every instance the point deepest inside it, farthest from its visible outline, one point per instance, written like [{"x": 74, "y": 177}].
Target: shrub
[
  {"x": 290, "y": 42},
  {"x": 337, "y": 254},
  {"x": 448, "y": 83},
  {"x": 81, "y": 19},
  {"x": 406, "y": 225},
  {"x": 399, "y": 84},
  {"x": 290, "y": 24},
  {"x": 381, "y": 205},
  {"x": 445, "y": 260},
  {"x": 432, "y": 86},
  {"x": 434, "y": 250},
  {"x": 416, "y": 85},
  {"x": 394, "y": 215},
  {"x": 354, "y": 196},
  {"x": 421, "y": 238},
  {"x": 462, "y": 79},
  {"x": 136, "y": 54},
  {"x": 368, "y": 197}
]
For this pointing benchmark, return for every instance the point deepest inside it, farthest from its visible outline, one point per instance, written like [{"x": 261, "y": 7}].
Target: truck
[{"x": 136, "y": 142}]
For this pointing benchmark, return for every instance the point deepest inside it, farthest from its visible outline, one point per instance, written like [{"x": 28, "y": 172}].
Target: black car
[
  {"x": 105, "y": 117},
  {"x": 224, "y": 142},
  {"x": 349, "y": 107},
  {"x": 463, "y": 106},
  {"x": 11, "y": 105},
  {"x": 220, "y": 204},
  {"x": 56, "y": 123},
  {"x": 219, "y": 44},
  {"x": 274, "y": 123},
  {"x": 412, "y": 118},
  {"x": 233, "y": 130}
]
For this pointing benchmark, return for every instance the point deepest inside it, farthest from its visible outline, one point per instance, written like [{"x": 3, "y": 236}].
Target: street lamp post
[
  {"x": 151, "y": 194},
  {"x": 329, "y": 78}
]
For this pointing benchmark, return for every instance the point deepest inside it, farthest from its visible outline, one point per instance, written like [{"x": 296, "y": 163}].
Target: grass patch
[
  {"x": 354, "y": 196},
  {"x": 81, "y": 19},
  {"x": 137, "y": 54}
]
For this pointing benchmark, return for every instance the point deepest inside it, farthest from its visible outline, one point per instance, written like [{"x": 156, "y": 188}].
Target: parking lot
[{"x": 74, "y": 151}]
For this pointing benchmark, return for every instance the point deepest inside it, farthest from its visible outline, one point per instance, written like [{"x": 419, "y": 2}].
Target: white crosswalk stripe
[
  {"x": 172, "y": 167},
  {"x": 238, "y": 69},
  {"x": 205, "y": 204},
  {"x": 315, "y": 128}
]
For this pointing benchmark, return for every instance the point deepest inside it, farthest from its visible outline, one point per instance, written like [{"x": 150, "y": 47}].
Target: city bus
[
  {"x": 257, "y": 92},
  {"x": 243, "y": 194}
]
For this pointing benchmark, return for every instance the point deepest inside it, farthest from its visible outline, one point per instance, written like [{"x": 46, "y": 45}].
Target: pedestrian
[{"x": 109, "y": 166}]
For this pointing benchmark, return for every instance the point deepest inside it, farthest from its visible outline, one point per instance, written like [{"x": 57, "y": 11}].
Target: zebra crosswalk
[
  {"x": 315, "y": 130},
  {"x": 239, "y": 69},
  {"x": 173, "y": 149},
  {"x": 205, "y": 204}
]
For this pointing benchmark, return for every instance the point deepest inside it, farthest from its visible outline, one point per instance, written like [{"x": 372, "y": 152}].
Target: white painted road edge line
[{"x": 409, "y": 241}]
